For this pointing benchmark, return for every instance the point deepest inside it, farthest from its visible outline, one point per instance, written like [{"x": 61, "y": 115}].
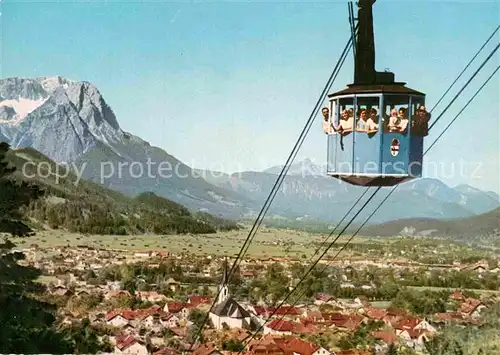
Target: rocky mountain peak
[
  {"x": 21, "y": 88},
  {"x": 59, "y": 117},
  {"x": 304, "y": 167},
  {"x": 51, "y": 83}
]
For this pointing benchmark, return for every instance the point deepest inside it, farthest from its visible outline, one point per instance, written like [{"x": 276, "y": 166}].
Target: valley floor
[
  {"x": 278, "y": 243},
  {"x": 267, "y": 242}
]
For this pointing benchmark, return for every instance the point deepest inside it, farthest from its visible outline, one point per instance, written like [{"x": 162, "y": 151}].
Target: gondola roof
[{"x": 392, "y": 88}]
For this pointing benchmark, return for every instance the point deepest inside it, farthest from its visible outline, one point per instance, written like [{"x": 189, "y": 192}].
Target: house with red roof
[
  {"x": 305, "y": 328},
  {"x": 290, "y": 311},
  {"x": 354, "y": 352},
  {"x": 375, "y": 313},
  {"x": 352, "y": 323},
  {"x": 261, "y": 311},
  {"x": 197, "y": 300},
  {"x": 457, "y": 296},
  {"x": 294, "y": 346},
  {"x": 119, "y": 318},
  {"x": 279, "y": 326},
  {"x": 169, "y": 320},
  {"x": 415, "y": 338},
  {"x": 129, "y": 345},
  {"x": 265, "y": 349},
  {"x": 180, "y": 309},
  {"x": 407, "y": 323},
  {"x": 471, "y": 308},
  {"x": 265, "y": 345},
  {"x": 206, "y": 349},
  {"x": 321, "y": 298},
  {"x": 448, "y": 317},
  {"x": 167, "y": 351},
  {"x": 335, "y": 318},
  {"x": 386, "y": 336}
]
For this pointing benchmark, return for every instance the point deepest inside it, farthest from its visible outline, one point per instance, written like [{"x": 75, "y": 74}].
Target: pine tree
[
  {"x": 27, "y": 324},
  {"x": 392, "y": 350}
]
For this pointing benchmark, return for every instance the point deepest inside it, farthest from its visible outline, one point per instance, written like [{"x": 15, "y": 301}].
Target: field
[
  {"x": 267, "y": 242},
  {"x": 451, "y": 289},
  {"x": 270, "y": 242}
]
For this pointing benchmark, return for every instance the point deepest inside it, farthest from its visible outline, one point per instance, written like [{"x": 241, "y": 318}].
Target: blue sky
[{"x": 229, "y": 85}]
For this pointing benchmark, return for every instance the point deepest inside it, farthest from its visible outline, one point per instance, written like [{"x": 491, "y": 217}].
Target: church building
[{"x": 227, "y": 310}]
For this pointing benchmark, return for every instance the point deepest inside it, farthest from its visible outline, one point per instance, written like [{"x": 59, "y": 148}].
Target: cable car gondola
[{"x": 377, "y": 125}]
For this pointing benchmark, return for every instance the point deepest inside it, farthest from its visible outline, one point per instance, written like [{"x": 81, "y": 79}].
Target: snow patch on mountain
[{"x": 22, "y": 108}]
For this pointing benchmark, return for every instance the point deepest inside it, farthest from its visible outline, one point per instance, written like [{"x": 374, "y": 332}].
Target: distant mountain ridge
[
  {"x": 71, "y": 122},
  {"x": 305, "y": 167},
  {"x": 306, "y": 193},
  {"x": 483, "y": 227}
]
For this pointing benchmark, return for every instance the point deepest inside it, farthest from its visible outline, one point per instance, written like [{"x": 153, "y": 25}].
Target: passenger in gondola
[
  {"x": 420, "y": 122},
  {"x": 346, "y": 122},
  {"x": 371, "y": 124},
  {"x": 398, "y": 122},
  {"x": 327, "y": 124},
  {"x": 361, "y": 125},
  {"x": 403, "y": 122},
  {"x": 393, "y": 121}
]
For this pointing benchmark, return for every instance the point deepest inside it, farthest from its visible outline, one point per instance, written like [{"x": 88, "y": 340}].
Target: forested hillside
[{"x": 85, "y": 207}]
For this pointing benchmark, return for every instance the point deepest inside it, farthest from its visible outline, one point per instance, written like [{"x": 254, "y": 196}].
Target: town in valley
[{"x": 396, "y": 294}]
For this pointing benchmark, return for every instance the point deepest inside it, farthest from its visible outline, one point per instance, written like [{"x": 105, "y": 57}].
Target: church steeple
[{"x": 223, "y": 288}]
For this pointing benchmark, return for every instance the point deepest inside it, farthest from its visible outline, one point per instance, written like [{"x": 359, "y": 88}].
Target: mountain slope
[
  {"x": 85, "y": 207},
  {"x": 303, "y": 168},
  {"x": 327, "y": 199},
  {"x": 484, "y": 227}
]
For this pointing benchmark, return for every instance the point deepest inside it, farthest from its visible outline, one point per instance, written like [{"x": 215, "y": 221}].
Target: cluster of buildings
[{"x": 164, "y": 327}]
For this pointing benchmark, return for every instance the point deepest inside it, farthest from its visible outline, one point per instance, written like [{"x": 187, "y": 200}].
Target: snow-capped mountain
[
  {"x": 70, "y": 122},
  {"x": 58, "y": 117}
]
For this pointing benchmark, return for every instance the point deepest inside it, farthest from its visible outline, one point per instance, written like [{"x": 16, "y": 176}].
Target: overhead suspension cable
[
  {"x": 292, "y": 155},
  {"x": 466, "y": 67},
  {"x": 339, "y": 223},
  {"x": 315, "y": 263},
  {"x": 279, "y": 180},
  {"x": 466, "y": 84},
  {"x": 433, "y": 143},
  {"x": 276, "y": 308},
  {"x": 344, "y": 56},
  {"x": 248, "y": 339}
]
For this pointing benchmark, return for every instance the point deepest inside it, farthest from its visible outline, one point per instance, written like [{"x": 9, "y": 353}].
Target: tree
[
  {"x": 233, "y": 345},
  {"x": 392, "y": 350},
  {"x": 194, "y": 333},
  {"x": 361, "y": 337},
  {"x": 197, "y": 316},
  {"x": 27, "y": 323},
  {"x": 84, "y": 338},
  {"x": 13, "y": 196}
]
